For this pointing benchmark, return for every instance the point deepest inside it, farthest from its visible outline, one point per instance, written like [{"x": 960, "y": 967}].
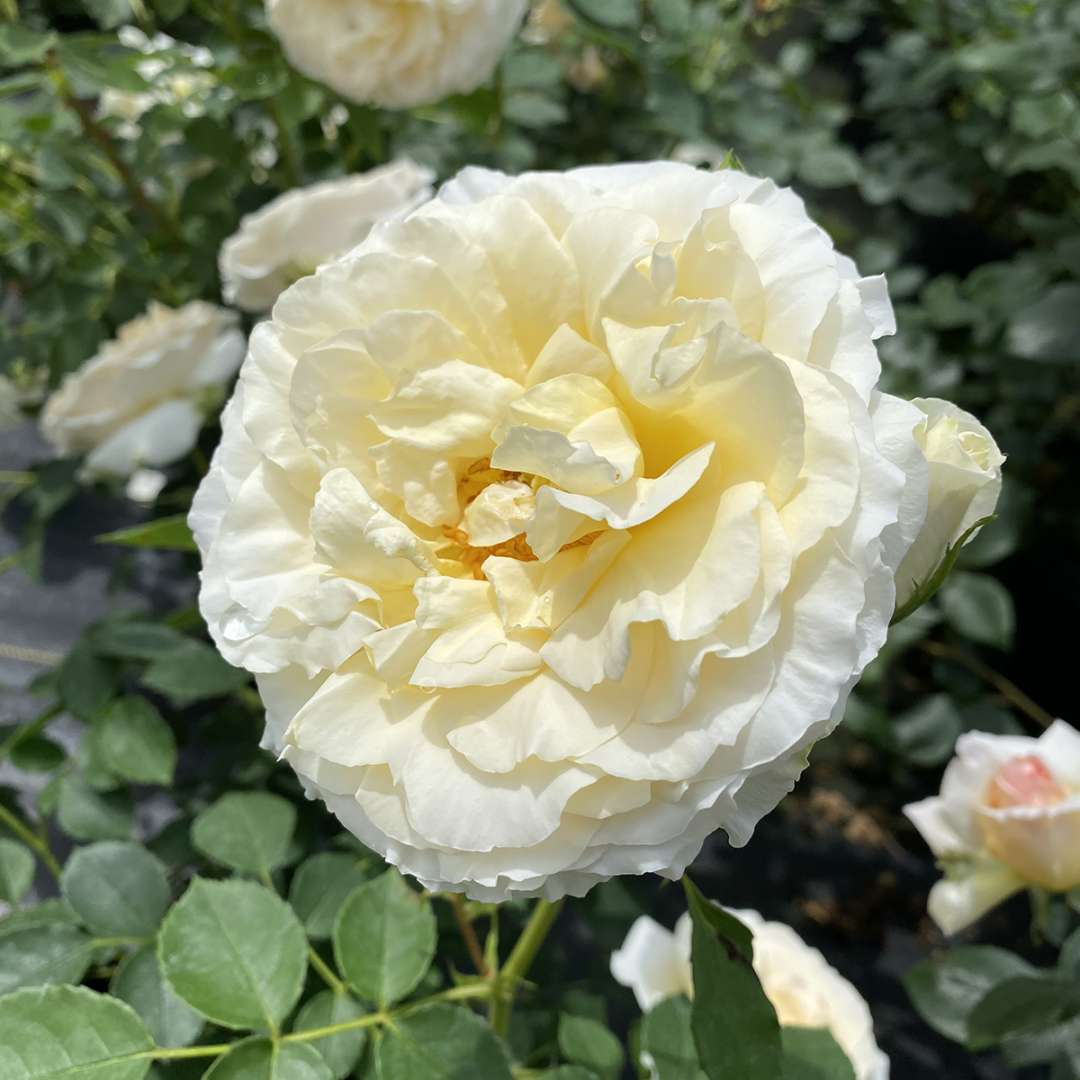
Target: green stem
[
  {"x": 117, "y": 942},
  {"x": 520, "y": 960},
  {"x": 290, "y": 157},
  {"x": 456, "y": 993},
  {"x": 29, "y": 730},
  {"x": 1005, "y": 687},
  {"x": 468, "y": 932},
  {"x": 325, "y": 971},
  {"x": 31, "y": 840},
  {"x": 182, "y": 1052}
]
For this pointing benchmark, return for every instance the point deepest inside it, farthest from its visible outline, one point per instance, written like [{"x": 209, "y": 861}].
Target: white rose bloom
[
  {"x": 965, "y": 482},
  {"x": 139, "y": 402},
  {"x": 396, "y": 53},
  {"x": 803, "y": 989},
  {"x": 1008, "y": 817},
  {"x": 297, "y": 232},
  {"x": 558, "y": 520}
]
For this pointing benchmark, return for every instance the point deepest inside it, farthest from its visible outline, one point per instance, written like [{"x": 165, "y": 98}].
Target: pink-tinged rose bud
[
  {"x": 1024, "y": 781},
  {"x": 1007, "y": 818},
  {"x": 1029, "y": 823}
]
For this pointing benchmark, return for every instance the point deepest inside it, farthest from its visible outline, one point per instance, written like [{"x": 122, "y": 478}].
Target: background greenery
[{"x": 937, "y": 140}]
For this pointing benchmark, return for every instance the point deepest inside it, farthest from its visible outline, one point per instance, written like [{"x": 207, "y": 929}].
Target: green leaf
[
  {"x": 321, "y": 885},
  {"x": 47, "y": 913},
  {"x": 1049, "y": 329},
  {"x": 733, "y": 1022},
  {"x": 944, "y": 991},
  {"x": 926, "y": 590},
  {"x": 979, "y": 607},
  {"x": 21, "y": 45},
  {"x": 40, "y": 955},
  {"x": 86, "y": 683},
  {"x": 136, "y": 639},
  {"x": 443, "y": 1042},
  {"x": 1069, "y": 957},
  {"x": 927, "y": 733},
  {"x": 813, "y": 1054},
  {"x": 93, "y": 61},
  {"x": 86, "y": 814},
  {"x": 16, "y": 871},
  {"x": 192, "y": 673},
  {"x": 1021, "y": 1003},
  {"x": 247, "y": 831},
  {"x": 587, "y": 1042},
  {"x": 340, "y": 1052},
  {"x": 618, "y": 14},
  {"x": 235, "y": 953},
  {"x": 71, "y": 1033},
  {"x": 667, "y": 1038},
  {"x": 133, "y": 741},
  {"x": 110, "y": 14},
  {"x": 384, "y": 939},
  {"x": 38, "y": 753},
  {"x": 118, "y": 889},
  {"x": 170, "y": 1020},
  {"x": 170, "y": 533},
  {"x": 261, "y": 1059}
]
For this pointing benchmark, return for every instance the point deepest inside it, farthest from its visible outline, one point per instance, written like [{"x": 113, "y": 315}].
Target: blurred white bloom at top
[
  {"x": 802, "y": 987},
  {"x": 1008, "y": 816},
  {"x": 559, "y": 518},
  {"x": 140, "y": 400},
  {"x": 396, "y": 53},
  {"x": 964, "y": 484},
  {"x": 297, "y": 232}
]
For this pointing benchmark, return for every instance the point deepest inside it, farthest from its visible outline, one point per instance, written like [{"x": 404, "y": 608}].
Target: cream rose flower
[
  {"x": 1008, "y": 816},
  {"x": 297, "y": 232},
  {"x": 803, "y": 989},
  {"x": 140, "y": 401},
  {"x": 964, "y": 485},
  {"x": 396, "y": 53},
  {"x": 558, "y": 520}
]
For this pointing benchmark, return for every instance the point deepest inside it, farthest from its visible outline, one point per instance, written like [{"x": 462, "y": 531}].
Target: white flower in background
[
  {"x": 396, "y": 53},
  {"x": 140, "y": 401},
  {"x": 171, "y": 69},
  {"x": 804, "y": 990},
  {"x": 297, "y": 232},
  {"x": 558, "y": 519},
  {"x": 1008, "y": 817},
  {"x": 965, "y": 482}
]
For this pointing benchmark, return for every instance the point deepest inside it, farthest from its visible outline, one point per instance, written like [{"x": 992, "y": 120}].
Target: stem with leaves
[
  {"x": 510, "y": 975},
  {"x": 31, "y": 839}
]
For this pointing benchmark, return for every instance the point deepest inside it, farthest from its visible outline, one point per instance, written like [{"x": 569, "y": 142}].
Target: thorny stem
[
  {"x": 1005, "y": 687},
  {"x": 468, "y": 933},
  {"x": 520, "y": 960}
]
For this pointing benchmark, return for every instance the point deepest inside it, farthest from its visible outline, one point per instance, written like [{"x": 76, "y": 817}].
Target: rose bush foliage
[{"x": 933, "y": 142}]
